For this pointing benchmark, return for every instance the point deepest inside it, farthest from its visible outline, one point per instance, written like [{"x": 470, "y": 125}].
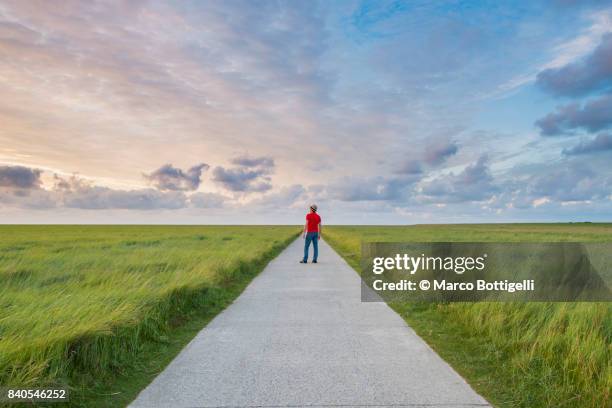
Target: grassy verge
[
  {"x": 514, "y": 354},
  {"x": 103, "y": 309}
]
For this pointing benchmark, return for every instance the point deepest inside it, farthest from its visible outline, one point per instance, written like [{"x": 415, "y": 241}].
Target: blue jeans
[{"x": 314, "y": 238}]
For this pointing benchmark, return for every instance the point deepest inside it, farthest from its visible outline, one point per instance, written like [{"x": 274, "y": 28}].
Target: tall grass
[
  {"x": 529, "y": 354},
  {"x": 78, "y": 302}
]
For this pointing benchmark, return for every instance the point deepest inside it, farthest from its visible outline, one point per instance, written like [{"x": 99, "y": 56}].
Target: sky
[{"x": 246, "y": 112}]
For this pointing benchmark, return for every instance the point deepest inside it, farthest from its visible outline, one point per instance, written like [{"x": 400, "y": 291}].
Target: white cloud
[{"x": 564, "y": 52}]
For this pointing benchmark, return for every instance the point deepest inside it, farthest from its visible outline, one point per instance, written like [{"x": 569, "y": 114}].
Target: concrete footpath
[{"x": 299, "y": 336}]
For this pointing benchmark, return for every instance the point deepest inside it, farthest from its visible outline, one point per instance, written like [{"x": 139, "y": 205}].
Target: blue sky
[{"x": 385, "y": 112}]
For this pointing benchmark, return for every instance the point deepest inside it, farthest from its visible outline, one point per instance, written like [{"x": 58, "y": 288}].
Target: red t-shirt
[{"x": 313, "y": 220}]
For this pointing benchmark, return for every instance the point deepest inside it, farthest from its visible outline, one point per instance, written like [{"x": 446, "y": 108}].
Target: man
[{"x": 312, "y": 233}]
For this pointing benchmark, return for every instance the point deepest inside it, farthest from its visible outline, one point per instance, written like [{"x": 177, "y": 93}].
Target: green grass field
[
  {"x": 104, "y": 308},
  {"x": 514, "y": 354},
  {"x": 79, "y": 304}
]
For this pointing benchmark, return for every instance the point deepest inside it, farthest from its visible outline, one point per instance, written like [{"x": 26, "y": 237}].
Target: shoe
[
  {"x": 303, "y": 261},
  {"x": 314, "y": 261}
]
